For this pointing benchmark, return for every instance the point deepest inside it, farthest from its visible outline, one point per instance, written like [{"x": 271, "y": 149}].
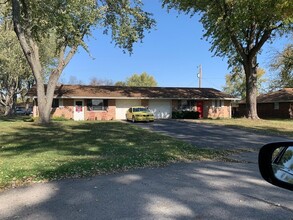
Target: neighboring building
[
  {"x": 79, "y": 102},
  {"x": 278, "y": 104}
]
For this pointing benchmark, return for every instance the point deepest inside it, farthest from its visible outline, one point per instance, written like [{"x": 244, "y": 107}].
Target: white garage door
[
  {"x": 162, "y": 109},
  {"x": 123, "y": 105}
]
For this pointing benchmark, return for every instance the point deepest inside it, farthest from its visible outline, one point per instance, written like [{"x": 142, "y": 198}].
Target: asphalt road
[
  {"x": 210, "y": 136},
  {"x": 198, "y": 190}
]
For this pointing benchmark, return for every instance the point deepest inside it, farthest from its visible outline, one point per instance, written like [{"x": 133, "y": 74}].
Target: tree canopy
[
  {"x": 14, "y": 70},
  {"x": 238, "y": 29},
  {"x": 139, "y": 80},
  {"x": 15, "y": 74},
  {"x": 69, "y": 22},
  {"x": 235, "y": 82},
  {"x": 282, "y": 65}
]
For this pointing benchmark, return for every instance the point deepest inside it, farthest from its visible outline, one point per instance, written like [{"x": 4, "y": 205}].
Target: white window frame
[
  {"x": 218, "y": 103},
  {"x": 61, "y": 103},
  {"x": 276, "y": 105}
]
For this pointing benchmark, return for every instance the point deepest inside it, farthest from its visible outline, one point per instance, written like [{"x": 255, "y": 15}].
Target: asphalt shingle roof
[
  {"x": 120, "y": 92},
  {"x": 284, "y": 95}
]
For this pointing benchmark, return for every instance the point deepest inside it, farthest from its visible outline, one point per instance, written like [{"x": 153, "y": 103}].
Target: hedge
[{"x": 185, "y": 115}]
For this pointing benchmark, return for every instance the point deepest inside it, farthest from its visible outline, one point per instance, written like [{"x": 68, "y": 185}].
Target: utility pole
[{"x": 199, "y": 76}]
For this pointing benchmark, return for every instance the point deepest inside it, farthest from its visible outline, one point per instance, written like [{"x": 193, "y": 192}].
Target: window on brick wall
[
  {"x": 97, "y": 104},
  {"x": 61, "y": 103},
  {"x": 186, "y": 105},
  {"x": 276, "y": 106},
  {"x": 55, "y": 103},
  {"x": 217, "y": 103}
]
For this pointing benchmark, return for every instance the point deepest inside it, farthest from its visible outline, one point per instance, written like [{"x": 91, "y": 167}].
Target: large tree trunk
[
  {"x": 8, "y": 107},
  {"x": 46, "y": 95},
  {"x": 31, "y": 52},
  {"x": 45, "y": 98},
  {"x": 43, "y": 103},
  {"x": 8, "y": 103},
  {"x": 250, "y": 68}
]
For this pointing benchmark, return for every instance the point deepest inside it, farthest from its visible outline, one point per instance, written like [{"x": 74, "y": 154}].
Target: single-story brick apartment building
[
  {"x": 277, "y": 104},
  {"x": 81, "y": 102}
]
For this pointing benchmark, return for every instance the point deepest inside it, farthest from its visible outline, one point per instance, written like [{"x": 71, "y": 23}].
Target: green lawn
[
  {"x": 31, "y": 153},
  {"x": 275, "y": 127}
]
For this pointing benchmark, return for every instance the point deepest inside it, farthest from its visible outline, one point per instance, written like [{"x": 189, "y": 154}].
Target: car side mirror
[{"x": 275, "y": 162}]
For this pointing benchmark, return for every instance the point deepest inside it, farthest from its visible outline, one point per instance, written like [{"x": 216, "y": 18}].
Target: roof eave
[{"x": 149, "y": 98}]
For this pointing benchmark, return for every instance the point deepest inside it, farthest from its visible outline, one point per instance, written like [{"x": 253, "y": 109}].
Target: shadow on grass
[
  {"x": 15, "y": 118},
  {"x": 75, "y": 149},
  {"x": 191, "y": 191}
]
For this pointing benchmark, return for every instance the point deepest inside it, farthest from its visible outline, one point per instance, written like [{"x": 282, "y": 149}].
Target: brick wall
[
  {"x": 109, "y": 114},
  {"x": 208, "y": 110},
  {"x": 145, "y": 102},
  {"x": 216, "y": 112},
  {"x": 65, "y": 110},
  {"x": 267, "y": 110}
]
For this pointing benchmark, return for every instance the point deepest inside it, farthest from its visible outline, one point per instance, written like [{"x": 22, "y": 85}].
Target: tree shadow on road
[{"x": 200, "y": 190}]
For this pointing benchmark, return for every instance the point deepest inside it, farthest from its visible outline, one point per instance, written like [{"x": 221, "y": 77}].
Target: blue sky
[{"x": 171, "y": 53}]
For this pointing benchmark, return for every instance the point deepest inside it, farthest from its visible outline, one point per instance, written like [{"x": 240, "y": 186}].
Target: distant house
[
  {"x": 278, "y": 104},
  {"x": 79, "y": 102}
]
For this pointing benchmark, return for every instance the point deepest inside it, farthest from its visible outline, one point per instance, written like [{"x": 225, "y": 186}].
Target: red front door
[{"x": 199, "y": 105}]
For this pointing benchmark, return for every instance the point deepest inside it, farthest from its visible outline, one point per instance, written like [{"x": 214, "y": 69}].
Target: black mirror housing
[{"x": 268, "y": 160}]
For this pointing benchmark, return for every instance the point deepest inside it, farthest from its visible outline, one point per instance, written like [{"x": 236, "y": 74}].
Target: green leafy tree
[
  {"x": 282, "y": 64},
  {"x": 15, "y": 74},
  {"x": 235, "y": 82},
  {"x": 14, "y": 71},
  {"x": 70, "y": 22},
  {"x": 141, "y": 80},
  {"x": 238, "y": 29},
  {"x": 120, "y": 83}
]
